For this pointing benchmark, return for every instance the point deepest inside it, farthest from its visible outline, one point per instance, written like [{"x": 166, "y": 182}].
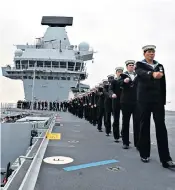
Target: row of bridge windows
[
  {"x": 44, "y": 78},
  {"x": 71, "y": 66}
]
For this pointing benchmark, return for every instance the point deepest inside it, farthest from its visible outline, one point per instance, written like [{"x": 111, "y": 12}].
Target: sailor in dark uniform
[
  {"x": 115, "y": 91},
  {"x": 151, "y": 96},
  {"x": 100, "y": 107},
  {"x": 128, "y": 101},
  {"x": 94, "y": 106},
  {"x": 107, "y": 106}
]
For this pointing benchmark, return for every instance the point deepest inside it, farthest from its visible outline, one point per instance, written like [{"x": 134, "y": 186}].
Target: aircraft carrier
[
  {"x": 42, "y": 149},
  {"x": 71, "y": 154}
]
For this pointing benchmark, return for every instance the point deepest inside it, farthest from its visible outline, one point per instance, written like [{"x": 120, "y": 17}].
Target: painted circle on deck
[{"x": 58, "y": 160}]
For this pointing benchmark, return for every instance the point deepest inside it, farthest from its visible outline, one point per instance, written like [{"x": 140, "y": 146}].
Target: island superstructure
[{"x": 52, "y": 66}]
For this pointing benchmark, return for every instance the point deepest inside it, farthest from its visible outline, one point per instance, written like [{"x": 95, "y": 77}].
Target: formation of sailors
[
  {"x": 43, "y": 105},
  {"x": 139, "y": 91}
]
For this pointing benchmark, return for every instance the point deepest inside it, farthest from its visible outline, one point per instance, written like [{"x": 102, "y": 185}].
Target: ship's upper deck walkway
[{"x": 96, "y": 161}]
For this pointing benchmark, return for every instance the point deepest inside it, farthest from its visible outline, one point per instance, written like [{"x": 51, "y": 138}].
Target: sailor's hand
[
  {"x": 114, "y": 96},
  {"x": 126, "y": 80},
  {"x": 160, "y": 75},
  {"x": 157, "y": 75}
]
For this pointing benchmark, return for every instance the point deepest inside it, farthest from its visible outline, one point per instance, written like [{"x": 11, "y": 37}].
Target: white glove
[
  {"x": 114, "y": 96},
  {"x": 126, "y": 80}
]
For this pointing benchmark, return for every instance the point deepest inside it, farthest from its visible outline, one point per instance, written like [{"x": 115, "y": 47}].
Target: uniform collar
[{"x": 154, "y": 62}]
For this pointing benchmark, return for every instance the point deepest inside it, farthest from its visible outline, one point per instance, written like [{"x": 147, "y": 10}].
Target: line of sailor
[
  {"x": 43, "y": 105},
  {"x": 139, "y": 91}
]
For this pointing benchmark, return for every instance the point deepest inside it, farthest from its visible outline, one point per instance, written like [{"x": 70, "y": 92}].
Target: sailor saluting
[{"x": 151, "y": 96}]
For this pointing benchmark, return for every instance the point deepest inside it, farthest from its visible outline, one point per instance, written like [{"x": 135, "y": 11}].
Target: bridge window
[
  {"x": 71, "y": 66},
  {"x": 56, "y": 78},
  {"x": 24, "y": 77},
  {"x": 55, "y": 64},
  {"x": 31, "y": 63},
  {"x": 63, "y": 78},
  {"x": 44, "y": 77},
  {"x": 68, "y": 78},
  {"x": 24, "y": 64},
  {"x": 78, "y": 65},
  {"x": 50, "y": 78},
  {"x": 18, "y": 66},
  {"x": 30, "y": 77},
  {"x": 37, "y": 77},
  {"x": 48, "y": 64},
  {"x": 39, "y": 63},
  {"x": 63, "y": 65}
]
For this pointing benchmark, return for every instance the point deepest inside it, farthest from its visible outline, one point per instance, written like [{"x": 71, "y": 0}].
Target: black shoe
[
  {"x": 116, "y": 140},
  {"x": 107, "y": 134},
  {"x": 145, "y": 160},
  {"x": 125, "y": 146},
  {"x": 169, "y": 164},
  {"x": 100, "y": 130}
]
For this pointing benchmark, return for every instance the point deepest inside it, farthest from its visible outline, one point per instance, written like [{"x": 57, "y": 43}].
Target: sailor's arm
[{"x": 112, "y": 88}]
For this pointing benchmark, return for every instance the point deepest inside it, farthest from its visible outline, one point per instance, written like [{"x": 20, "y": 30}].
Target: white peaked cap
[
  {"x": 111, "y": 76},
  {"x": 148, "y": 47},
  {"x": 129, "y": 62},
  {"x": 119, "y": 68},
  {"x": 105, "y": 80}
]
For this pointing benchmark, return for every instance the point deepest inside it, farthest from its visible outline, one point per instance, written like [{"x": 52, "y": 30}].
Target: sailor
[
  {"x": 58, "y": 106},
  {"x": 151, "y": 96},
  {"x": 39, "y": 105},
  {"x": 128, "y": 102},
  {"x": 115, "y": 91},
  {"x": 50, "y": 106},
  {"x": 42, "y": 105},
  {"x": 61, "y": 106},
  {"x": 107, "y": 106},
  {"x": 84, "y": 106},
  {"x": 34, "y": 105},
  {"x": 80, "y": 106},
  {"x": 100, "y": 107},
  {"x": 46, "y": 105},
  {"x": 89, "y": 106},
  {"x": 94, "y": 104}
]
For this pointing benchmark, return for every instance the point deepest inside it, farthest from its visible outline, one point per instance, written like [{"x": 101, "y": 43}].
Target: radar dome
[
  {"x": 83, "y": 46},
  {"x": 18, "y": 53}
]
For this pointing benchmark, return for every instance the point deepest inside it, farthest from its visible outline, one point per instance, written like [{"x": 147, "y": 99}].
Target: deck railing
[{"x": 8, "y": 105}]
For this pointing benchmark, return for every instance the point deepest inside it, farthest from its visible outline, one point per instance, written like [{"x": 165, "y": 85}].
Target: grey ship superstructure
[{"x": 51, "y": 67}]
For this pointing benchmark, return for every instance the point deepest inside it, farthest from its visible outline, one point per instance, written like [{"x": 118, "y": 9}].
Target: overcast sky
[{"x": 116, "y": 29}]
